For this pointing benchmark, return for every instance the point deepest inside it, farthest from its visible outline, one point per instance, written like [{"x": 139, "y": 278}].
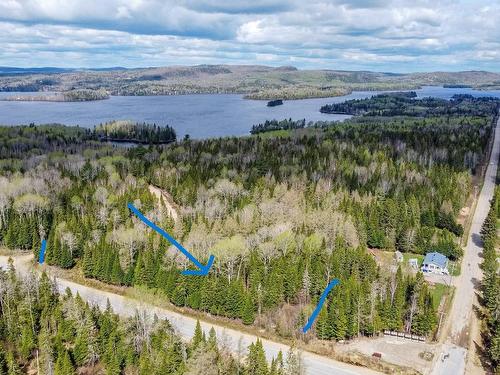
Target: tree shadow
[
  {"x": 476, "y": 239},
  {"x": 477, "y": 283},
  {"x": 483, "y": 357}
]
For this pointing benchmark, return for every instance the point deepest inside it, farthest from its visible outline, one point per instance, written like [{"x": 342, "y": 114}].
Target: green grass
[
  {"x": 408, "y": 256},
  {"x": 438, "y": 291},
  {"x": 454, "y": 267}
]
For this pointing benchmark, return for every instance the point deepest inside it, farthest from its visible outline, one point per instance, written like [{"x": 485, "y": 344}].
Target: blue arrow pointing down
[{"x": 202, "y": 269}]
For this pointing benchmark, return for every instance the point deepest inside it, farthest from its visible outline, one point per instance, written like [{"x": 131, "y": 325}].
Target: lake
[{"x": 200, "y": 116}]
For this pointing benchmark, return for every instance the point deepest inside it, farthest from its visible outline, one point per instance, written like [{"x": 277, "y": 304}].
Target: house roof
[{"x": 437, "y": 259}]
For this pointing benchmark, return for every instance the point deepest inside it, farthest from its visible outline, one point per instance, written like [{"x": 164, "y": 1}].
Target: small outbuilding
[
  {"x": 435, "y": 263},
  {"x": 413, "y": 263}
]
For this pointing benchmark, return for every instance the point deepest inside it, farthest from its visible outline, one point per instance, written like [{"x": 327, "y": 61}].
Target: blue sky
[{"x": 398, "y": 36}]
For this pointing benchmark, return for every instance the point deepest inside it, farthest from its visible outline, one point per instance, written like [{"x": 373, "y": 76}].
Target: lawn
[
  {"x": 408, "y": 256},
  {"x": 438, "y": 291},
  {"x": 454, "y": 267}
]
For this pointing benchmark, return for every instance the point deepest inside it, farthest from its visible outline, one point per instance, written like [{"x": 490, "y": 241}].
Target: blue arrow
[
  {"x": 41, "y": 259},
  {"x": 322, "y": 299},
  {"x": 202, "y": 269}
]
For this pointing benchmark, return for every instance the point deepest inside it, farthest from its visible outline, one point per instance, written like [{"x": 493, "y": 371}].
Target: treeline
[
  {"x": 42, "y": 331},
  {"x": 76, "y": 95},
  {"x": 406, "y": 104},
  {"x": 85, "y": 95},
  {"x": 490, "y": 285},
  {"x": 23, "y": 142},
  {"x": 135, "y": 132},
  {"x": 271, "y": 125}
]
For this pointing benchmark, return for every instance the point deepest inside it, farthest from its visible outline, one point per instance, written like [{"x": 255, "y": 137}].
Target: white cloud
[{"x": 361, "y": 34}]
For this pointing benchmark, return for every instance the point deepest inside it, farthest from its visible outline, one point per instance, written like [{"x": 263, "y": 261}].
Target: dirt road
[
  {"x": 185, "y": 326},
  {"x": 166, "y": 200},
  {"x": 461, "y": 317}
]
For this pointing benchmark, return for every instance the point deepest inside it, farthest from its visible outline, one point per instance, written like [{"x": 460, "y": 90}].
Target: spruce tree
[
  {"x": 212, "y": 340},
  {"x": 257, "y": 364},
  {"x": 64, "y": 365},
  {"x": 248, "y": 310},
  {"x": 198, "y": 336}
]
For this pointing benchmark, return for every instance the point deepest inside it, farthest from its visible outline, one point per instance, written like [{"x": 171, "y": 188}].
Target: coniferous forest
[
  {"x": 490, "y": 286},
  {"x": 282, "y": 215},
  {"x": 47, "y": 333}
]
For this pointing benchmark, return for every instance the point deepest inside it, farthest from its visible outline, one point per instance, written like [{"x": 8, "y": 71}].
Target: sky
[{"x": 377, "y": 35}]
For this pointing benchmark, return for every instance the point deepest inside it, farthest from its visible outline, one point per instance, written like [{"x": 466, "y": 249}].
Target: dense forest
[
  {"x": 406, "y": 104},
  {"x": 490, "y": 286},
  {"x": 79, "y": 95},
  {"x": 135, "y": 132},
  {"x": 282, "y": 215},
  {"x": 47, "y": 333}
]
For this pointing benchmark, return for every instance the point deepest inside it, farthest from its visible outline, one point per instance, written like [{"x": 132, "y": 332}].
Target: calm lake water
[{"x": 200, "y": 116}]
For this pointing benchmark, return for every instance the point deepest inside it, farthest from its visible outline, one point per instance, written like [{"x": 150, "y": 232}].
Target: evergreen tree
[
  {"x": 198, "y": 336},
  {"x": 257, "y": 364},
  {"x": 248, "y": 310},
  {"x": 64, "y": 365}
]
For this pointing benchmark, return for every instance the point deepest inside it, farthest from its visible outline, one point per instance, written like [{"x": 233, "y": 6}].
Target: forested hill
[
  {"x": 257, "y": 82},
  {"x": 282, "y": 215},
  {"x": 406, "y": 104}
]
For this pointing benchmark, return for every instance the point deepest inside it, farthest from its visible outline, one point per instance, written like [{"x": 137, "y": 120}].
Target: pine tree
[
  {"x": 322, "y": 324},
  {"x": 88, "y": 262},
  {"x": 248, "y": 310},
  {"x": 198, "y": 336},
  {"x": 80, "y": 351},
  {"x": 64, "y": 365},
  {"x": 279, "y": 363},
  {"x": 337, "y": 318},
  {"x": 256, "y": 360},
  {"x": 212, "y": 340}
]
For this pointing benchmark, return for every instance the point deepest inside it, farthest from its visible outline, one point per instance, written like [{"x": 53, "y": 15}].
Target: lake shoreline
[{"x": 201, "y": 116}]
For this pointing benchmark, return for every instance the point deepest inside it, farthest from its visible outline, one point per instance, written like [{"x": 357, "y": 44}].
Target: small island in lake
[
  {"x": 274, "y": 103},
  {"x": 133, "y": 132},
  {"x": 273, "y": 125}
]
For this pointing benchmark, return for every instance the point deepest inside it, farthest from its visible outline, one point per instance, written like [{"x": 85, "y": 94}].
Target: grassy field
[{"x": 438, "y": 292}]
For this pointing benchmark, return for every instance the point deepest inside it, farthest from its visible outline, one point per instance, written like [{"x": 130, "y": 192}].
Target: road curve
[
  {"x": 467, "y": 284},
  {"x": 185, "y": 326}
]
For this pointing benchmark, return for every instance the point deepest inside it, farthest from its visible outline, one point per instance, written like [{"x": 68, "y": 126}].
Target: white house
[{"x": 435, "y": 263}]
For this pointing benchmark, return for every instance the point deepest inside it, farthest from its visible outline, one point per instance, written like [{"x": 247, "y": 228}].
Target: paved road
[
  {"x": 467, "y": 283},
  {"x": 315, "y": 365}
]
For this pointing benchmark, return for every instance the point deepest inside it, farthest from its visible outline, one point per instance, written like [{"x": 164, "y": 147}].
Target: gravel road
[
  {"x": 468, "y": 282},
  {"x": 315, "y": 364}
]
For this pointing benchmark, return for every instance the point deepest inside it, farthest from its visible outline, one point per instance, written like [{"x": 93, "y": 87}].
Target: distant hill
[
  {"x": 255, "y": 81},
  {"x": 42, "y": 70},
  {"x": 52, "y": 70}
]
